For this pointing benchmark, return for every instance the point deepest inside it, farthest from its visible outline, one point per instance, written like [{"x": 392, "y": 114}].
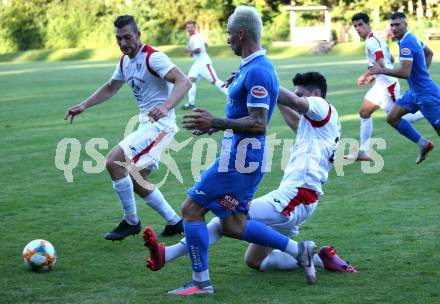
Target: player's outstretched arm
[
  {"x": 202, "y": 120},
  {"x": 404, "y": 71},
  {"x": 290, "y": 117},
  {"x": 428, "y": 55},
  {"x": 104, "y": 93},
  {"x": 293, "y": 101},
  {"x": 182, "y": 84}
]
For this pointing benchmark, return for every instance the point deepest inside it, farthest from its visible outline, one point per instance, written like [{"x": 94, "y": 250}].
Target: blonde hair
[{"x": 247, "y": 19}]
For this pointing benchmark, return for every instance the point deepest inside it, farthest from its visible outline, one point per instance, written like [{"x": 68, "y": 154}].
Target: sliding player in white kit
[
  {"x": 286, "y": 208},
  {"x": 150, "y": 75},
  {"x": 202, "y": 66},
  {"x": 383, "y": 94}
]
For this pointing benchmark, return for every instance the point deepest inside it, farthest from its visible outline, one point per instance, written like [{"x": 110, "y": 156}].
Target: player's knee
[
  {"x": 231, "y": 230},
  {"x": 186, "y": 212},
  {"x": 364, "y": 114},
  {"x": 251, "y": 262},
  {"x": 192, "y": 212},
  {"x": 110, "y": 162},
  {"x": 392, "y": 120}
]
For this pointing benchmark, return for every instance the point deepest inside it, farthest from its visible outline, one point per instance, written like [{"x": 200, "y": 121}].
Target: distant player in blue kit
[
  {"x": 423, "y": 94},
  {"x": 227, "y": 187}
]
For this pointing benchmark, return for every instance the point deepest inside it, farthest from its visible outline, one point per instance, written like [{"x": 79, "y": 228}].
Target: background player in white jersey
[
  {"x": 150, "y": 75},
  {"x": 286, "y": 208},
  {"x": 202, "y": 66},
  {"x": 385, "y": 90}
]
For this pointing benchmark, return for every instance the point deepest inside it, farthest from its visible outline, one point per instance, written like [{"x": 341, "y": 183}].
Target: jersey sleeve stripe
[
  {"x": 379, "y": 55},
  {"x": 257, "y": 105},
  {"x": 320, "y": 123},
  {"x": 121, "y": 64},
  {"x": 149, "y": 50}
]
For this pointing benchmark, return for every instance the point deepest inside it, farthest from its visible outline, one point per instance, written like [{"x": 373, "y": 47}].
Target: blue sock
[
  {"x": 197, "y": 242},
  {"x": 407, "y": 130},
  {"x": 260, "y": 234}
]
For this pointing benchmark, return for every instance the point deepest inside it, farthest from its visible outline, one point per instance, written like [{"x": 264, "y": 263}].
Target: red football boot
[
  {"x": 157, "y": 250},
  {"x": 424, "y": 151},
  {"x": 333, "y": 262}
]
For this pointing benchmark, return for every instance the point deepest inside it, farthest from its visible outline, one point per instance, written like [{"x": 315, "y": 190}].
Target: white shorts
[
  {"x": 145, "y": 145},
  {"x": 383, "y": 96},
  {"x": 268, "y": 210},
  {"x": 205, "y": 70}
]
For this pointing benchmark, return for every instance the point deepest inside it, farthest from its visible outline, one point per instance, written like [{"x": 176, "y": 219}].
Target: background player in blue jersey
[
  {"x": 423, "y": 94},
  {"x": 228, "y": 185}
]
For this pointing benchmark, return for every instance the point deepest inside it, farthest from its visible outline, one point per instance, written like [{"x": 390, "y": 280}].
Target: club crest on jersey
[
  {"x": 259, "y": 92},
  {"x": 405, "y": 51},
  {"x": 229, "y": 202}
]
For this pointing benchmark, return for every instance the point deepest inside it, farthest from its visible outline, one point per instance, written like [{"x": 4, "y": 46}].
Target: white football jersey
[
  {"x": 312, "y": 154},
  {"x": 145, "y": 76},
  {"x": 376, "y": 48},
  {"x": 197, "y": 41}
]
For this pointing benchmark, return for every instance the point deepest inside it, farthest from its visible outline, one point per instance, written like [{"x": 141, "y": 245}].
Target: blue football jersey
[
  {"x": 255, "y": 85},
  {"x": 411, "y": 48}
]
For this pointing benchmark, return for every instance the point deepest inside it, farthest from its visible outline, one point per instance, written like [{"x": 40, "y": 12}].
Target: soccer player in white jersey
[
  {"x": 286, "y": 208},
  {"x": 150, "y": 75},
  {"x": 385, "y": 90},
  {"x": 202, "y": 66}
]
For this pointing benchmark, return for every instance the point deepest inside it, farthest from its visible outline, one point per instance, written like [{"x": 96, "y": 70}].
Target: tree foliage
[{"x": 35, "y": 24}]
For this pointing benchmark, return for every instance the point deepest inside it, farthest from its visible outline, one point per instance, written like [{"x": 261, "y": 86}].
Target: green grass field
[{"x": 387, "y": 224}]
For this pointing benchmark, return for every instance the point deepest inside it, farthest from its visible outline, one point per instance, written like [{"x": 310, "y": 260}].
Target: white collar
[{"x": 253, "y": 56}]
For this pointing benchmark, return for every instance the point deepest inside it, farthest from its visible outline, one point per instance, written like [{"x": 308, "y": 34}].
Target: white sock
[
  {"x": 124, "y": 189},
  {"x": 422, "y": 142},
  {"x": 192, "y": 94},
  {"x": 366, "y": 132},
  {"x": 218, "y": 83},
  {"x": 201, "y": 276},
  {"x": 413, "y": 117},
  {"x": 292, "y": 248},
  {"x": 317, "y": 261},
  {"x": 156, "y": 201},
  {"x": 177, "y": 250},
  {"x": 278, "y": 260}
]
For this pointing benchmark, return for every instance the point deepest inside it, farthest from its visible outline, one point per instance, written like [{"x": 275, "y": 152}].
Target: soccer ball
[{"x": 39, "y": 255}]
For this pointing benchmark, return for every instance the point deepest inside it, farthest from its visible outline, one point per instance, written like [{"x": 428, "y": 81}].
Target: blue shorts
[
  {"x": 225, "y": 193},
  {"x": 428, "y": 104}
]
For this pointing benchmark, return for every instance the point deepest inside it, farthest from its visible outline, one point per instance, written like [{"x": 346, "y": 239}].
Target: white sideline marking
[{"x": 59, "y": 68}]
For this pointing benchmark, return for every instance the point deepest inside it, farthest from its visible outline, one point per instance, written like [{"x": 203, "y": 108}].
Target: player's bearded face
[{"x": 128, "y": 40}]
